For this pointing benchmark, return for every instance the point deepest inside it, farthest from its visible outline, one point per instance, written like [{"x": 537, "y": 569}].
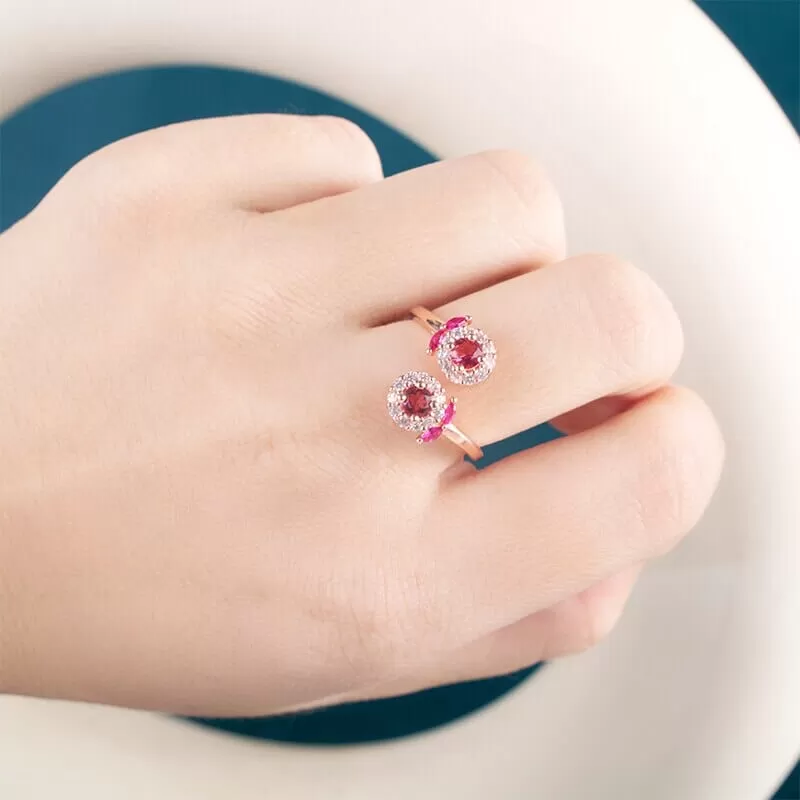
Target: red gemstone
[
  {"x": 449, "y": 413},
  {"x": 435, "y": 339},
  {"x": 455, "y": 322},
  {"x": 466, "y": 353},
  {"x": 417, "y": 401},
  {"x": 431, "y": 434}
]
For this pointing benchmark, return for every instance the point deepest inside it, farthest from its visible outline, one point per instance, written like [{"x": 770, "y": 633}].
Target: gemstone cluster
[
  {"x": 418, "y": 402},
  {"x": 465, "y": 354}
]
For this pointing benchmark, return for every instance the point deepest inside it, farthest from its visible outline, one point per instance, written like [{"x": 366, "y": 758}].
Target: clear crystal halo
[
  {"x": 416, "y": 401},
  {"x": 453, "y": 365}
]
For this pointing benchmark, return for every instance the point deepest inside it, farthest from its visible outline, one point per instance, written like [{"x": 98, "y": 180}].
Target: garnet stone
[
  {"x": 466, "y": 353},
  {"x": 417, "y": 402}
]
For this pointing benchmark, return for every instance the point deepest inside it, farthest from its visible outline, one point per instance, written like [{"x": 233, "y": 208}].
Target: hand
[{"x": 204, "y": 506}]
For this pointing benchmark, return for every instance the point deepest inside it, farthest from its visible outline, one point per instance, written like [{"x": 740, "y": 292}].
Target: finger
[
  {"x": 430, "y": 234},
  {"x": 570, "y": 333},
  {"x": 262, "y": 162},
  {"x": 571, "y": 626},
  {"x": 596, "y": 412},
  {"x": 543, "y": 525}
]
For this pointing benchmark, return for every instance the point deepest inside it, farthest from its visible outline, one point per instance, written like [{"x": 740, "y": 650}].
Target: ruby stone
[
  {"x": 466, "y": 353},
  {"x": 417, "y": 401}
]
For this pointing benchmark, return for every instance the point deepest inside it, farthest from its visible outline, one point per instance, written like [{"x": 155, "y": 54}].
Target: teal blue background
[{"x": 40, "y": 142}]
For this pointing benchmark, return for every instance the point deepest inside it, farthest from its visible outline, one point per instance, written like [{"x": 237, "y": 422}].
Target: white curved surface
[{"x": 668, "y": 150}]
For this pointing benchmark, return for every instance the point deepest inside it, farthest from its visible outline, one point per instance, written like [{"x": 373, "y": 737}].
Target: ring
[
  {"x": 418, "y": 402},
  {"x": 465, "y": 354}
]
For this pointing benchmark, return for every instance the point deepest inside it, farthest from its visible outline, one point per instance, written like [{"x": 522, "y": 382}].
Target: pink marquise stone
[
  {"x": 431, "y": 434},
  {"x": 449, "y": 413},
  {"x": 453, "y": 322},
  {"x": 435, "y": 339}
]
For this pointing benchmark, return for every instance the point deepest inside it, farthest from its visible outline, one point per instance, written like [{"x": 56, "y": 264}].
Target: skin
[{"x": 204, "y": 506}]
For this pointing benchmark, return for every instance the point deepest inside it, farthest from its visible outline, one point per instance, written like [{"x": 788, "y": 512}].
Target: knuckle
[
  {"x": 119, "y": 160},
  {"x": 348, "y": 137},
  {"x": 386, "y": 620},
  {"x": 513, "y": 169},
  {"x": 119, "y": 185},
  {"x": 365, "y": 647},
  {"x": 635, "y": 318},
  {"x": 93, "y": 176},
  {"x": 245, "y": 305},
  {"x": 246, "y": 311},
  {"x": 339, "y": 129},
  {"x": 519, "y": 189},
  {"x": 682, "y": 463}
]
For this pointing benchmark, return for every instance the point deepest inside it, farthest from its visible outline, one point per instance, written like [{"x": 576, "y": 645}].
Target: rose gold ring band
[
  {"x": 427, "y": 319},
  {"x": 458, "y": 437}
]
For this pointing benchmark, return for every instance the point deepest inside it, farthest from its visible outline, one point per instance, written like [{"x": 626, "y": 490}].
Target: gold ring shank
[
  {"x": 458, "y": 437},
  {"x": 430, "y": 321}
]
